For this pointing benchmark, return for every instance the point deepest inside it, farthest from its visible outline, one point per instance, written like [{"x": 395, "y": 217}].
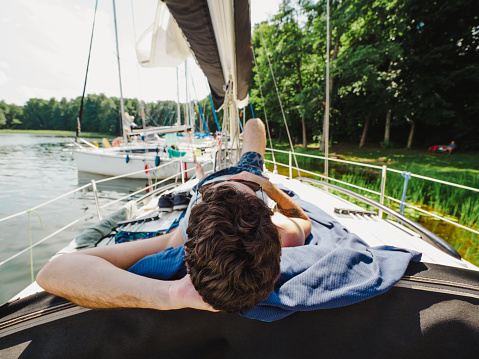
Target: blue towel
[{"x": 336, "y": 268}]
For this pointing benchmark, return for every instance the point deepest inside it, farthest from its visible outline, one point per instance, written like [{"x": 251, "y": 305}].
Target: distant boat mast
[
  {"x": 122, "y": 105},
  {"x": 326, "y": 116}
]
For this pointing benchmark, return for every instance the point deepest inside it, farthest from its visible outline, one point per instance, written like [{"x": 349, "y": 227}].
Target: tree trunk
[
  {"x": 331, "y": 80},
  {"x": 303, "y": 121},
  {"x": 388, "y": 128},
  {"x": 411, "y": 135},
  {"x": 365, "y": 132},
  {"x": 305, "y": 143}
]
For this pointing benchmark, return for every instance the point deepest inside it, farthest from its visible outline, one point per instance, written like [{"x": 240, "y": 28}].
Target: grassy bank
[
  {"x": 455, "y": 204},
  {"x": 58, "y": 133}
]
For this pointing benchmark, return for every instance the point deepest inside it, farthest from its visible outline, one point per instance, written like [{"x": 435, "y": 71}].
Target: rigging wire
[
  {"x": 198, "y": 104},
  {"x": 214, "y": 113},
  {"x": 86, "y": 76},
  {"x": 212, "y": 106},
  {"x": 142, "y": 103},
  {"x": 279, "y": 100},
  {"x": 122, "y": 125},
  {"x": 251, "y": 105},
  {"x": 264, "y": 111}
]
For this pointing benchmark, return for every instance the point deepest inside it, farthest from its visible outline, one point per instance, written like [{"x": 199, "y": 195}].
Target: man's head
[{"x": 233, "y": 249}]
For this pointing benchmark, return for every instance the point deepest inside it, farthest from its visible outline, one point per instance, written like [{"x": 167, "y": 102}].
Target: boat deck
[{"x": 373, "y": 230}]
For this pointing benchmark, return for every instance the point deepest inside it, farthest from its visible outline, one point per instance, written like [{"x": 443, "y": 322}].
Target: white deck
[{"x": 374, "y": 231}]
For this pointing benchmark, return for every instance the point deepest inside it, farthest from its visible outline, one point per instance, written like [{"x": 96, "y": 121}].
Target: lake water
[{"x": 33, "y": 170}]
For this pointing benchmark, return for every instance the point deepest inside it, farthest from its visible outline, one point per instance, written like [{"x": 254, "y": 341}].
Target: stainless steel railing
[{"x": 384, "y": 171}]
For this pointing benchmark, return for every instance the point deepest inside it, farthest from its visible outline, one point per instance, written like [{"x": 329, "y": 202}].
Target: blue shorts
[{"x": 250, "y": 161}]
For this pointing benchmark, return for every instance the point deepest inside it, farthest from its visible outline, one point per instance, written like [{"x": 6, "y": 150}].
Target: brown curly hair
[{"x": 233, "y": 249}]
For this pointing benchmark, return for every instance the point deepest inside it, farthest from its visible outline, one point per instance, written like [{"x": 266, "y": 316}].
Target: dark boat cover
[
  {"x": 193, "y": 17},
  {"x": 401, "y": 323}
]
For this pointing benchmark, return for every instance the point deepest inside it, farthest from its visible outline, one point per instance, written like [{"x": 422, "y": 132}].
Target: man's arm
[
  {"x": 293, "y": 222},
  {"x": 97, "y": 278}
]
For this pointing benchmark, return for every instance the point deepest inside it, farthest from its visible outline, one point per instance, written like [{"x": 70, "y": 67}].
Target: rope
[
  {"x": 203, "y": 117},
  {"x": 214, "y": 113},
  {"x": 264, "y": 111},
  {"x": 251, "y": 105},
  {"x": 279, "y": 99},
  {"x": 86, "y": 75},
  {"x": 30, "y": 240}
]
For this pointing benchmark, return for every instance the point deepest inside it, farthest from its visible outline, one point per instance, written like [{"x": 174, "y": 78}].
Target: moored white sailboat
[{"x": 132, "y": 152}]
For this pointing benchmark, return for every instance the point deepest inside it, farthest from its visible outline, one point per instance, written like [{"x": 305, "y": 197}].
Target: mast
[
  {"x": 178, "y": 108},
  {"x": 187, "y": 102},
  {"x": 122, "y": 106},
  {"x": 326, "y": 116}
]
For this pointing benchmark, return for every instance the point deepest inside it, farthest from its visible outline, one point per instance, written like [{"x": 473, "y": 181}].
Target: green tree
[
  {"x": 3, "y": 119},
  {"x": 440, "y": 69}
]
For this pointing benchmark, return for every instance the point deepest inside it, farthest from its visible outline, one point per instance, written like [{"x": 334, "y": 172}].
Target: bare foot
[{"x": 200, "y": 172}]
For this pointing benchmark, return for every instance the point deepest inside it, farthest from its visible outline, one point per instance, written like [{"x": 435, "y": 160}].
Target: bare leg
[
  {"x": 254, "y": 137},
  {"x": 200, "y": 172}
]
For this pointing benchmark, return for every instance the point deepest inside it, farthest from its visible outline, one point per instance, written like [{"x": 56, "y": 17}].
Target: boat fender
[
  {"x": 127, "y": 159},
  {"x": 157, "y": 161}
]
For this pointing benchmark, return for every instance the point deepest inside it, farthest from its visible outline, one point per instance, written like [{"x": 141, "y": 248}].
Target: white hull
[{"x": 114, "y": 163}]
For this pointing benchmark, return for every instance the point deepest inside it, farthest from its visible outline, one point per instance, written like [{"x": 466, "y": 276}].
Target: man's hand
[{"x": 184, "y": 295}]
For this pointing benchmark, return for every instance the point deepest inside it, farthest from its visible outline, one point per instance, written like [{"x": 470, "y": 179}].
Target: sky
[{"x": 44, "y": 50}]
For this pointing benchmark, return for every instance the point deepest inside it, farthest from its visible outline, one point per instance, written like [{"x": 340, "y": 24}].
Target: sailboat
[
  {"x": 140, "y": 152},
  {"x": 432, "y": 310}
]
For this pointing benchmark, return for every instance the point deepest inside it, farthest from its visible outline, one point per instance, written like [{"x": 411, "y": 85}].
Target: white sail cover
[
  {"x": 168, "y": 46},
  {"x": 216, "y": 32}
]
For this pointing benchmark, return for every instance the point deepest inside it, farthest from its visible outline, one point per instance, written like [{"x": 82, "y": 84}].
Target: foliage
[
  {"x": 418, "y": 61},
  {"x": 455, "y": 204},
  {"x": 101, "y": 114}
]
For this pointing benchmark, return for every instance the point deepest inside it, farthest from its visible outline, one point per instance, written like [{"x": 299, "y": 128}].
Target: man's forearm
[
  {"x": 124, "y": 255},
  {"x": 284, "y": 203},
  {"x": 291, "y": 235},
  {"x": 97, "y": 277},
  {"x": 95, "y": 283}
]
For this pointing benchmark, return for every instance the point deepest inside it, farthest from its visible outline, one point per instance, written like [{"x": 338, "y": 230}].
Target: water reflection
[
  {"x": 120, "y": 185},
  {"x": 33, "y": 170}
]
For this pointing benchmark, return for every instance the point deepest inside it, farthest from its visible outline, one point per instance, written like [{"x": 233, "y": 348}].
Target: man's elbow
[
  {"x": 293, "y": 239},
  {"x": 43, "y": 277},
  {"x": 47, "y": 277},
  {"x": 307, "y": 229}
]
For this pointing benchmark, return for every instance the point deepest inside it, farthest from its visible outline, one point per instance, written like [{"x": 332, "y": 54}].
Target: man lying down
[{"x": 232, "y": 253}]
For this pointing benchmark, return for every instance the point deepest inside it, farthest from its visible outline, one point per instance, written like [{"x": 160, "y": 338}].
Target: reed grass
[{"x": 455, "y": 204}]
